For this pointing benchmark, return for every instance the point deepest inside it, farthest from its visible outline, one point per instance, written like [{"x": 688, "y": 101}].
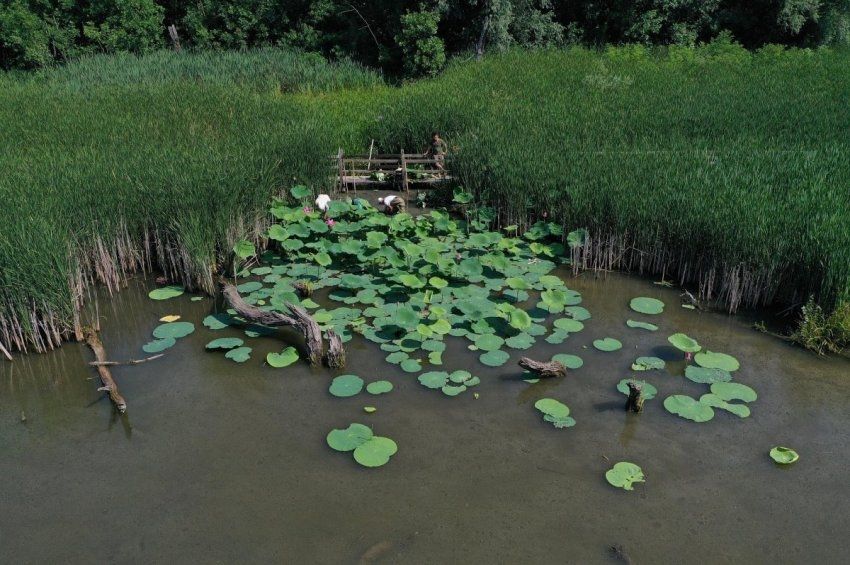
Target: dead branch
[
  {"x": 5, "y": 352},
  {"x": 106, "y": 379},
  {"x": 543, "y": 369}
]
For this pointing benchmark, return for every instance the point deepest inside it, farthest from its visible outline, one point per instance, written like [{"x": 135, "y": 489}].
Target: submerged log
[
  {"x": 297, "y": 318},
  {"x": 336, "y": 352},
  {"x": 130, "y": 362},
  {"x": 543, "y": 369},
  {"x": 635, "y": 400},
  {"x": 106, "y": 379}
]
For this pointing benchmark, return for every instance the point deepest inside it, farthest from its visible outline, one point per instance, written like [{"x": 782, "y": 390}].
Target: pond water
[{"x": 219, "y": 462}]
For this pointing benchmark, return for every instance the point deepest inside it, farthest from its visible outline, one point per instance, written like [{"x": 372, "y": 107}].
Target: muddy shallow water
[{"x": 219, "y": 462}]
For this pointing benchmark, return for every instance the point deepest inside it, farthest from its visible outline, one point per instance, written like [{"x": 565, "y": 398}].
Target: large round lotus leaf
[
  {"x": 375, "y": 452},
  {"x": 406, "y": 317},
  {"x": 300, "y": 191},
  {"x": 173, "y": 329},
  {"x": 517, "y": 283},
  {"x": 397, "y": 357},
  {"x": 684, "y": 343},
  {"x": 438, "y": 283},
  {"x": 441, "y": 327},
  {"x": 688, "y": 408},
  {"x": 453, "y": 390},
  {"x": 350, "y": 438},
  {"x": 158, "y": 345},
  {"x": 411, "y": 366},
  {"x": 579, "y": 313},
  {"x": 733, "y": 391},
  {"x": 489, "y": 342},
  {"x": 569, "y": 361},
  {"x": 520, "y": 341},
  {"x": 784, "y": 455},
  {"x": 344, "y": 386},
  {"x": 707, "y": 376},
  {"x": 379, "y": 387},
  {"x": 283, "y": 359},
  {"x": 569, "y": 325},
  {"x": 740, "y": 410},
  {"x": 217, "y": 321},
  {"x": 434, "y": 379},
  {"x": 646, "y": 305},
  {"x": 249, "y": 286},
  {"x": 711, "y": 360},
  {"x": 433, "y": 345},
  {"x": 519, "y": 319},
  {"x": 494, "y": 358},
  {"x": 460, "y": 376},
  {"x": 322, "y": 259},
  {"x": 641, "y": 325},
  {"x": 557, "y": 337},
  {"x": 165, "y": 292},
  {"x": 607, "y": 344},
  {"x": 411, "y": 281},
  {"x": 648, "y": 364},
  {"x": 647, "y": 390},
  {"x": 239, "y": 355},
  {"x": 624, "y": 474},
  {"x": 550, "y": 281},
  {"x": 552, "y": 407},
  {"x": 225, "y": 343}
]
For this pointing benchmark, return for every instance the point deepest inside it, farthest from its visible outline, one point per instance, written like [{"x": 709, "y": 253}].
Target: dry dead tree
[
  {"x": 543, "y": 369},
  {"x": 109, "y": 385},
  {"x": 299, "y": 319},
  {"x": 336, "y": 352}
]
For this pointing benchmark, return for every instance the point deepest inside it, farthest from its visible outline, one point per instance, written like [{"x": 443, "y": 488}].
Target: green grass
[{"x": 708, "y": 161}]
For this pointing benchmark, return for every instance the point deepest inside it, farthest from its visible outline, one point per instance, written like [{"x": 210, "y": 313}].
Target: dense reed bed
[{"x": 724, "y": 169}]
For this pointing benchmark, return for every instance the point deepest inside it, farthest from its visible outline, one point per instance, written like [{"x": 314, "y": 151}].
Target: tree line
[{"x": 403, "y": 37}]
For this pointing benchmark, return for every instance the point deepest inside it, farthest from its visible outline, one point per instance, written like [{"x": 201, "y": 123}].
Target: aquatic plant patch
[
  {"x": 648, "y": 391},
  {"x": 784, "y": 455},
  {"x": 165, "y": 292},
  {"x": 283, "y": 359},
  {"x": 624, "y": 474},
  {"x": 712, "y": 360},
  {"x": 368, "y": 449},
  {"x": 345, "y": 386},
  {"x": 645, "y": 305},
  {"x": 684, "y": 343},
  {"x": 648, "y": 364},
  {"x": 707, "y": 376},
  {"x": 555, "y": 412},
  {"x": 688, "y": 408},
  {"x": 607, "y": 344}
]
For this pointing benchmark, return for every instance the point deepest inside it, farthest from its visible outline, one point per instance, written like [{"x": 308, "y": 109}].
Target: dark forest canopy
[{"x": 401, "y": 36}]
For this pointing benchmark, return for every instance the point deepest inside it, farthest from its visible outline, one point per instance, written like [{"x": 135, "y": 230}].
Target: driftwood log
[
  {"x": 108, "y": 383},
  {"x": 336, "y": 352},
  {"x": 297, "y": 318},
  {"x": 635, "y": 400},
  {"x": 543, "y": 369},
  {"x": 130, "y": 362}
]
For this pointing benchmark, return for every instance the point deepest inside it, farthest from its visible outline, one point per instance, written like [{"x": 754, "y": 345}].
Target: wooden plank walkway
[{"x": 400, "y": 171}]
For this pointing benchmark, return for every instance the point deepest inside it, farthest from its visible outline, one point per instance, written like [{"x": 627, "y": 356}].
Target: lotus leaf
[
  {"x": 225, "y": 343},
  {"x": 520, "y": 341},
  {"x": 173, "y": 329},
  {"x": 707, "y": 376},
  {"x": 565, "y": 422},
  {"x": 784, "y": 455},
  {"x": 577, "y": 238},
  {"x": 170, "y": 318},
  {"x": 688, "y": 408},
  {"x": 569, "y": 361},
  {"x": 244, "y": 249},
  {"x": 733, "y": 391},
  {"x": 411, "y": 281},
  {"x": 350, "y": 438},
  {"x": 552, "y": 407},
  {"x": 557, "y": 337},
  {"x": 379, "y": 387},
  {"x": 607, "y": 344},
  {"x": 438, "y": 283},
  {"x": 641, "y": 325},
  {"x": 740, "y": 410},
  {"x": 322, "y": 259},
  {"x": 283, "y": 359},
  {"x": 239, "y": 355},
  {"x": 648, "y": 364},
  {"x": 460, "y": 377},
  {"x": 434, "y": 379},
  {"x": 453, "y": 390},
  {"x": 300, "y": 191},
  {"x": 411, "y": 366},
  {"x": 711, "y": 360},
  {"x": 249, "y": 286},
  {"x": 646, "y": 305},
  {"x": 568, "y": 325},
  {"x": 647, "y": 390},
  {"x": 550, "y": 282},
  {"x": 494, "y": 358},
  {"x": 165, "y": 292},
  {"x": 375, "y": 452},
  {"x": 435, "y": 357},
  {"x": 684, "y": 343},
  {"x": 158, "y": 345},
  {"x": 577, "y": 313},
  {"x": 624, "y": 474},
  {"x": 441, "y": 327},
  {"x": 489, "y": 342},
  {"x": 344, "y": 386},
  {"x": 217, "y": 321}
]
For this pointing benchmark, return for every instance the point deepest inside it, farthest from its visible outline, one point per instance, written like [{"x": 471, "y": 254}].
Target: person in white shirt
[
  {"x": 323, "y": 201},
  {"x": 392, "y": 204}
]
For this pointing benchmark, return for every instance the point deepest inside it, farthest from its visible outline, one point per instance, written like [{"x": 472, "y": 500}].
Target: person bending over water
[
  {"x": 323, "y": 201},
  {"x": 392, "y": 204}
]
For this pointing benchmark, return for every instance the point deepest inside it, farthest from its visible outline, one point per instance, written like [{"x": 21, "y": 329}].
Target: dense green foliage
[
  {"x": 35, "y": 33},
  {"x": 716, "y": 156}
]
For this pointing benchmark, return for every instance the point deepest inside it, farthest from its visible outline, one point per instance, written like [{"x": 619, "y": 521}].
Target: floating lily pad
[
  {"x": 217, "y": 321},
  {"x": 641, "y": 325},
  {"x": 733, "y": 391},
  {"x": 173, "y": 329},
  {"x": 494, "y": 358},
  {"x": 283, "y": 359},
  {"x": 249, "y": 287},
  {"x": 165, "y": 292},
  {"x": 568, "y": 325},
  {"x": 784, "y": 455},
  {"x": 158, "y": 345},
  {"x": 520, "y": 341},
  {"x": 555, "y": 412},
  {"x": 648, "y": 364},
  {"x": 225, "y": 343},
  {"x": 646, "y": 305},
  {"x": 711, "y": 360},
  {"x": 350, "y": 438},
  {"x": 375, "y": 452},
  {"x": 411, "y": 366},
  {"x": 239, "y": 355},
  {"x": 740, "y": 410},
  {"x": 569, "y": 361},
  {"x": 647, "y": 390},
  {"x": 369, "y": 409},
  {"x": 460, "y": 377},
  {"x": 624, "y": 474},
  {"x": 688, "y": 408},
  {"x": 170, "y": 318},
  {"x": 579, "y": 313},
  {"x": 707, "y": 376},
  {"x": 344, "y": 386},
  {"x": 397, "y": 357},
  {"x": 607, "y": 344},
  {"x": 453, "y": 390},
  {"x": 379, "y": 387},
  {"x": 434, "y": 379},
  {"x": 489, "y": 342},
  {"x": 684, "y": 343}
]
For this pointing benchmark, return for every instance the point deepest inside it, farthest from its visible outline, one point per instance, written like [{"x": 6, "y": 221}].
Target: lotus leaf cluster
[
  {"x": 555, "y": 412},
  {"x": 369, "y": 450},
  {"x": 624, "y": 474}
]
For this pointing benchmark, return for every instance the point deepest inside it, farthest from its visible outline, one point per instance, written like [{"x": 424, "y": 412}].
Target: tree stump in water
[
  {"x": 303, "y": 288},
  {"x": 543, "y": 369},
  {"x": 103, "y": 371},
  {"x": 336, "y": 352},
  {"x": 635, "y": 400},
  {"x": 299, "y": 319}
]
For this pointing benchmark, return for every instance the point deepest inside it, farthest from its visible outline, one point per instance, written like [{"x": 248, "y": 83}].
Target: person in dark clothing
[{"x": 437, "y": 149}]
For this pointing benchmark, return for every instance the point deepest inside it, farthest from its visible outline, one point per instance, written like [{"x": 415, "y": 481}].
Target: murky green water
[{"x": 217, "y": 462}]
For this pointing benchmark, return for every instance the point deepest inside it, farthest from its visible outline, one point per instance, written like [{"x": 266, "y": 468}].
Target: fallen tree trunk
[
  {"x": 106, "y": 379},
  {"x": 336, "y": 352},
  {"x": 298, "y": 318},
  {"x": 543, "y": 369},
  {"x": 130, "y": 362}
]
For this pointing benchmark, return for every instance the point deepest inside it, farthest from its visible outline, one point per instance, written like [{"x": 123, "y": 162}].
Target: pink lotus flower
[
  {"x": 307, "y": 209},
  {"x": 330, "y": 222}
]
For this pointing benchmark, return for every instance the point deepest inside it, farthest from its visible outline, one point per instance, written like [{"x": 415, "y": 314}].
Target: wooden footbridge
[{"x": 396, "y": 171}]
